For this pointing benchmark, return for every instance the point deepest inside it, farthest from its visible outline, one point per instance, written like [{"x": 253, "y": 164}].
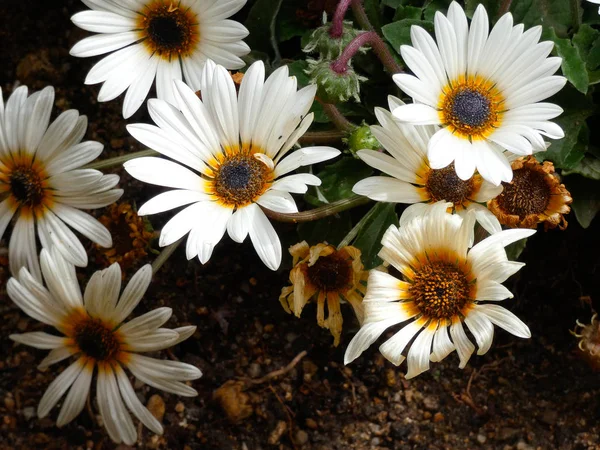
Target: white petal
[
  {"x": 505, "y": 319},
  {"x": 464, "y": 347},
  {"x": 163, "y": 173},
  {"x": 483, "y": 330},
  {"x": 264, "y": 238},
  {"x": 133, "y": 293},
  {"x": 304, "y": 157},
  {"x": 171, "y": 200},
  {"x": 387, "y": 189},
  {"x": 58, "y": 387},
  {"x": 103, "y": 43},
  {"x": 77, "y": 396},
  {"x": 420, "y": 352},
  {"x": 102, "y": 22},
  {"x": 393, "y": 347}
]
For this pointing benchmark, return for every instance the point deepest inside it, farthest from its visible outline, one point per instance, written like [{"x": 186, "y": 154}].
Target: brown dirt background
[{"x": 523, "y": 394}]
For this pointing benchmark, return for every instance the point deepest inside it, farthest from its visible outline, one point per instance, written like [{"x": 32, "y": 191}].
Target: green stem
[
  {"x": 361, "y": 15},
  {"x": 164, "y": 255},
  {"x": 575, "y": 15},
  {"x": 354, "y": 231},
  {"x": 318, "y": 213},
  {"x": 337, "y": 118},
  {"x": 118, "y": 160},
  {"x": 321, "y": 137}
]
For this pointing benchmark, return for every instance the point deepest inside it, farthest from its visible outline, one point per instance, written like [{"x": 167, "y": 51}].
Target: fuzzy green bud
[
  {"x": 328, "y": 46},
  {"x": 334, "y": 87},
  {"x": 362, "y": 138}
]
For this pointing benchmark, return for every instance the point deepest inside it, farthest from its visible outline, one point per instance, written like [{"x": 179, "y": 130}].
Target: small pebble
[
  {"x": 438, "y": 417},
  {"x": 179, "y": 407},
  {"x": 28, "y": 412},
  {"x": 301, "y": 437},
  {"x": 156, "y": 406},
  {"x": 481, "y": 438}
]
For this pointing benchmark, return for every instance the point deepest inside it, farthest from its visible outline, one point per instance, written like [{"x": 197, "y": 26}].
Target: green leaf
[
  {"x": 408, "y": 12},
  {"x": 392, "y": 3},
  {"x": 433, "y": 6},
  {"x": 259, "y": 21},
  {"x": 398, "y": 33},
  {"x": 589, "y": 167},
  {"x": 491, "y": 6},
  {"x": 373, "y": 10},
  {"x": 550, "y": 13},
  {"x": 586, "y": 198},
  {"x": 514, "y": 250},
  {"x": 368, "y": 240},
  {"x": 339, "y": 178},
  {"x": 573, "y": 67},
  {"x": 566, "y": 153},
  {"x": 587, "y": 41},
  {"x": 330, "y": 229}
]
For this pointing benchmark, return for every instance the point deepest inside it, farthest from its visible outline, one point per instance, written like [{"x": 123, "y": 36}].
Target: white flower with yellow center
[
  {"x": 95, "y": 334},
  {"x": 411, "y": 178},
  {"x": 483, "y": 88},
  {"x": 42, "y": 184},
  {"x": 443, "y": 284},
  {"x": 162, "y": 39},
  {"x": 235, "y": 146}
]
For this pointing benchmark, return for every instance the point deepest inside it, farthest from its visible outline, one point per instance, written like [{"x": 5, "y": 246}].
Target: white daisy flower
[
  {"x": 483, "y": 88},
  {"x": 411, "y": 178},
  {"x": 235, "y": 145},
  {"x": 162, "y": 39},
  {"x": 442, "y": 286},
  {"x": 41, "y": 182},
  {"x": 95, "y": 334}
]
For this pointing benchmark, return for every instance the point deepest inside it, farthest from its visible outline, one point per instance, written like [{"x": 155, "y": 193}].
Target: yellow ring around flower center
[
  {"x": 168, "y": 29},
  {"x": 471, "y": 108},
  {"x": 238, "y": 178}
]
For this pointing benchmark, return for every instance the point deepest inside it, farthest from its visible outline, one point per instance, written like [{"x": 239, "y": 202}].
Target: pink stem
[
  {"x": 371, "y": 38},
  {"x": 337, "y": 23}
]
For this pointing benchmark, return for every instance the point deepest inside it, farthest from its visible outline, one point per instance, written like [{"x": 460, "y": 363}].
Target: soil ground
[{"x": 523, "y": 394}]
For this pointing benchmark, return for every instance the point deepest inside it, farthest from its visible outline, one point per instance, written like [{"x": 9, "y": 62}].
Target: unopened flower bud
[
  {"x": 334, "y": 87},
  {"x": 328, "y": 46}
]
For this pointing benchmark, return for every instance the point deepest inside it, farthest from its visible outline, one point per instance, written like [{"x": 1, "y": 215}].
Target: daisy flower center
[
  {"x": 528, "y": 193},
  {"x": 168, "y": 29},
  {"x": 240, "y": 179},
  {"x": 331, "y": 273},
  {"x": 440, "y": 290},
  {"x": 444, "y": 184},
  {"x": 95, "y": 339},
  {"x": 471, "y": 108},
  {"x": 26, "y": 186}
]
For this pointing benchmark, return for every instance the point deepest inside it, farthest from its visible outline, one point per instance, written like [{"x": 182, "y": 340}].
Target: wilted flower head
[
  {"x": 42, "y": 183},
  {"x": 483, "y": 88},
  {"x": 534, "y": 196},
  {"x": 94, "y": 333},
  {"x": 162, "y": 39},
  {"x": 324, "y": 274},
  {"x": 443, "y": 284}
]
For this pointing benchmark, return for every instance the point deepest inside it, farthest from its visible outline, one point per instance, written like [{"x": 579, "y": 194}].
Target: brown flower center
[
  {"x": 440, "y": 290},
  {"x": 444, "y": 184},
  {"x": 331, "y": 273},
  {"x": 169, "y": 30},
  {"x": 96, "y": 340},
  {"x": 26, "y": 186},
  {"x": 240, "y": 179},
  {"x": 527, "y": 193}
]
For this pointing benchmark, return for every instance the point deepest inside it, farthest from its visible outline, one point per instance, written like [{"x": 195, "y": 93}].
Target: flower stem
[
  {"x": 575, "y": 15},
  {"x": 118, "y": 160},
  {"x": 354, "y": 231},
  {"x": 337, "y": 118},
  {"x": 321, "y": 137},
  {"x": 504, "y": 7},
  {"x": 337, "y": 23},
  {"x": 164, "y": 255},
  {"x": 361, "y": 16},
  {"x": 318, "y": 213},
  {"x": 371, "y": 38}
]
